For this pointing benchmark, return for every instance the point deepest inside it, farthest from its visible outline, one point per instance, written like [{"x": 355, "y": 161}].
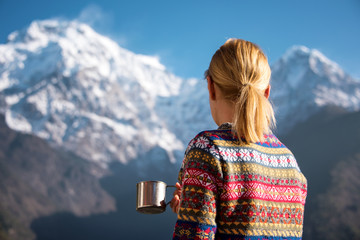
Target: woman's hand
[{"x": 175, "y": 202}]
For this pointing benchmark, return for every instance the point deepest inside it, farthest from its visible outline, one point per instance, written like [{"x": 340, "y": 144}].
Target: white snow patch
[
  {"x": 153, "y": 61},
  {"x": 17, "y": 122},
  {"x": 40, "y": 101}
]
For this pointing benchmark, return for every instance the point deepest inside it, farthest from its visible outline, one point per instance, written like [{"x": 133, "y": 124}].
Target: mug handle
[{"x": 167, "y": 187}]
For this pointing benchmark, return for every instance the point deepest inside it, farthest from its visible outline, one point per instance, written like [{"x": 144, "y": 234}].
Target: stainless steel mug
[{"x": 151, "y": 197}]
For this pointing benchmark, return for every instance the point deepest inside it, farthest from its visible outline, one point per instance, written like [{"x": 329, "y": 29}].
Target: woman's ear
[
  {"x": 267, "y": 92},
  {"x": 211, "y": 88}
]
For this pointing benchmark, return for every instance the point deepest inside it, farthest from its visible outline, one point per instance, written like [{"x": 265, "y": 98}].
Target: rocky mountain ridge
[{"x": 63, "y": 82}]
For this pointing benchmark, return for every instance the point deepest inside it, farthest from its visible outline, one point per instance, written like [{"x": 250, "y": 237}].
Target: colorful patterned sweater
[{"x": 247, "y": 191}]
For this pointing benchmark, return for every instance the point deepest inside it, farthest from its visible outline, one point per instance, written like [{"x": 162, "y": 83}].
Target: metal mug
[{"x": 151, "y": 197}]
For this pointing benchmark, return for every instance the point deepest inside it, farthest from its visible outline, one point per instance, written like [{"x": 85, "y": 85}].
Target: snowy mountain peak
[
  {"x": 304, "y": 80},
  {"x": 64, "y": 82},
  {"x": 295, "y": 52},
  {"x": 45, "y": 30},
  {"x": 316, "y": 61},
  {"x": 69, "y": 47}
]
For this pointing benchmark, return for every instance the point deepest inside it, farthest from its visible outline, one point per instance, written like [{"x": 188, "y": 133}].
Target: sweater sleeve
[{"x": 200, "y": 176}]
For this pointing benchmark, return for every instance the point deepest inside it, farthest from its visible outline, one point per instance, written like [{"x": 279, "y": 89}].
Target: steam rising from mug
[{"x": 151, "y": 197}]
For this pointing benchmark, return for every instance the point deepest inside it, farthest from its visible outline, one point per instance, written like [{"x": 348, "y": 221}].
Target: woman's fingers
[
  {"x": 177, "y": 193},
  {"x": 175, "y": 202},
  {"x": 178, "y": 189},
  {"x": 177, "y": 208}
]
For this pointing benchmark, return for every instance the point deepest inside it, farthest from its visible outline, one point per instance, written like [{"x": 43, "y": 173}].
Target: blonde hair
[{"x": 241, "y": 71}]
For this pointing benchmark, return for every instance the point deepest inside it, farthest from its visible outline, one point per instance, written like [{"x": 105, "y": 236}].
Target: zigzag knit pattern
[{"x": 240, "y": 191}]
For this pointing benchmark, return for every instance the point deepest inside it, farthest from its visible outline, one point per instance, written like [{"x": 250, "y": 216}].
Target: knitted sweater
[{"x": 247, "y": 191}]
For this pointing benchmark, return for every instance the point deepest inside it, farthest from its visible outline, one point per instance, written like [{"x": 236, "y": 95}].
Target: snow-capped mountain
[
  {"x": 62, "y": 81},
  {"x": 304, "y": 81}
]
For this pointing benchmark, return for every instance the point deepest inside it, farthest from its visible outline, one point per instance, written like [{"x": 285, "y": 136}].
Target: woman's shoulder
[
  {"x": 270, "y": 140},
  {"x": 207, "y": 139},
  {"x": 216, "y": 134}
]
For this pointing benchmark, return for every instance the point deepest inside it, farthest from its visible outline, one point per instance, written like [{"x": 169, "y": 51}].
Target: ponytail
[{"x": 253, "y": 116}]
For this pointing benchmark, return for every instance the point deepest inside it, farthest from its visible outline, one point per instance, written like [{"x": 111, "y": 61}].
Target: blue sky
[{"x": 185, "y": 34}]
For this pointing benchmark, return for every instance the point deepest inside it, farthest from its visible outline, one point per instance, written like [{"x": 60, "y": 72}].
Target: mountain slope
[
  {"x": 327, "y": 148},
  {"x": 36, "y": 180}
]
